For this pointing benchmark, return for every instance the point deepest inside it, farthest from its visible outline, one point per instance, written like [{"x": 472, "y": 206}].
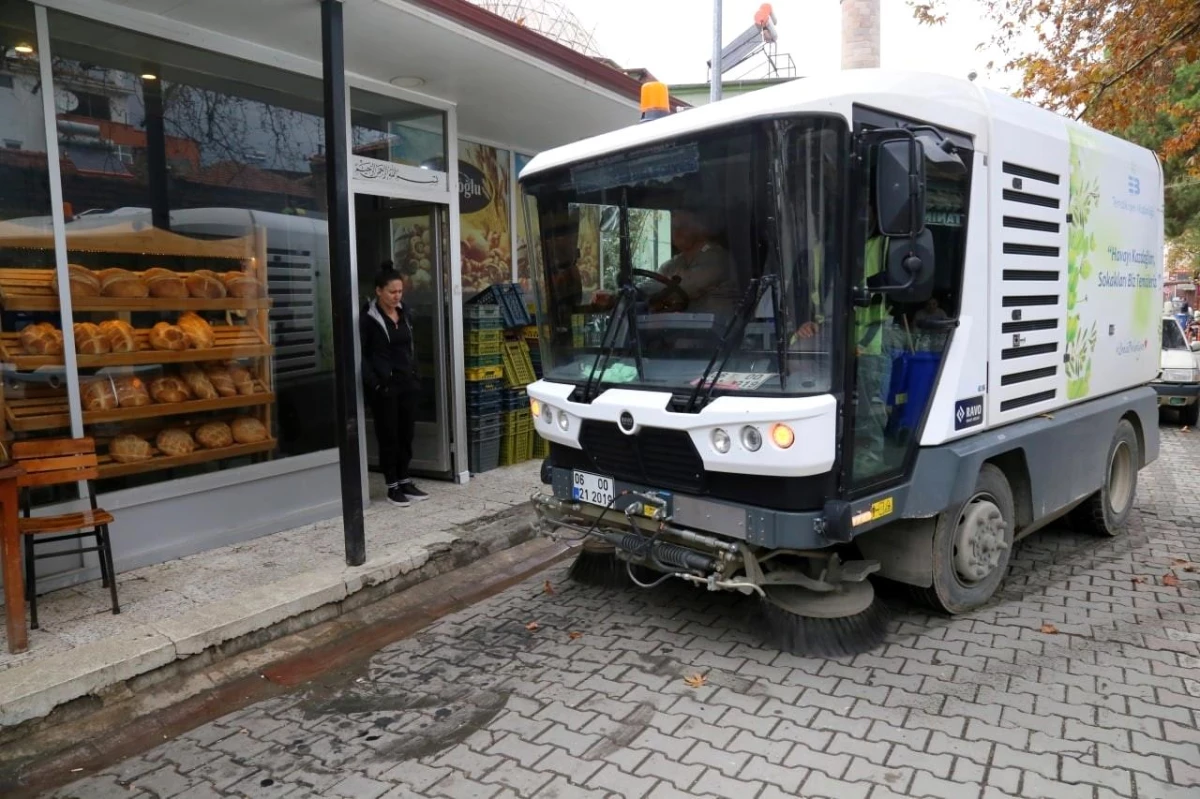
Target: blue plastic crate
[
  {"x": 485, "y": 404},
  {"x": 509, "y": 298}
]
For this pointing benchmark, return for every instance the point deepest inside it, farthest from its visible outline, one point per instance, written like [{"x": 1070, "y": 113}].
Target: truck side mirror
[
  {"x": 900, "y": 187},
  {"x": 909, "y": 269}
]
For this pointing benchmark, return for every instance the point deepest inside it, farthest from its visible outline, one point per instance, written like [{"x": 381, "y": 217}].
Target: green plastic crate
[
  {"x": 518, "y": 368},
  {"x": 518, "y": 422},
  {"x": 516, "y": 448}
]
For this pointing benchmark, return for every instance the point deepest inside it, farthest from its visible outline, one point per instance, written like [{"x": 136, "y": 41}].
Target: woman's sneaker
[
  {"x": 412, "y": 492},
  {"x": 397, "y": 497}
]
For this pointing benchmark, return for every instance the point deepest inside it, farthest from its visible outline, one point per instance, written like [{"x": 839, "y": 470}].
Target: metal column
[
  {"x": 714, "y": 88},
  {"x": 337, "y": 189}
]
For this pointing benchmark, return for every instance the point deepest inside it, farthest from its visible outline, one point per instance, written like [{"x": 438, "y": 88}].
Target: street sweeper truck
[{"x": 871, "y": 325}]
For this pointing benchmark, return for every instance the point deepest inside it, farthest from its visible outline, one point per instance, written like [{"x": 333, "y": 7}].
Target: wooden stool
[{"x": 57, "y": 461}]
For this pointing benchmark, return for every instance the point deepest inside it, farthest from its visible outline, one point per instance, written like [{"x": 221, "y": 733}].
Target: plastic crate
[
  {"x": 487, "y": 350},
  {"x": 517, "y": 422},
  {"x": 514, "y": 399},
  {"x": 485, "y": 372},
  {"x": 518, "y": 368},
  {"x": 484, "y": 404},
  {"x": 485, "y": 423},
  {"x": 481, "y": 313},
  {"x": 480, "y": 387},
  {"x": 483, "y": 453},
  {"x": 509, "y": 298},
  {"x": 541, "y": 447},
  {"x": 477, "y": 336},
  {"x": 474, "y": 361},
  {"x": 530, "y": 332},
  {"x": 516, "y": 448}
]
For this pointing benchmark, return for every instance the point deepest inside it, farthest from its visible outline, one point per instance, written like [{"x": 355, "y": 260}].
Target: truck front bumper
[{"x": 1177, "y": 394}]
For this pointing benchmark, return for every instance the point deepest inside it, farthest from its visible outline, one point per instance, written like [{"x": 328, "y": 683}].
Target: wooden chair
[{"x": 58, "y": 461}]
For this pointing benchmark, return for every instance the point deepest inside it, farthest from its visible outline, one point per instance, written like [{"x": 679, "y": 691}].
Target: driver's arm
[{"x": 710, "y": 270}]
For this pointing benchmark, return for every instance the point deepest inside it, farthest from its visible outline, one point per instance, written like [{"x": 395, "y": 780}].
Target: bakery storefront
[{"x": 164, "y": 258}]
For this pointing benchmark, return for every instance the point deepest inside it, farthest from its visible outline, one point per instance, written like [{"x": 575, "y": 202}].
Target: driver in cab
[{"x": 701, "y": 271}]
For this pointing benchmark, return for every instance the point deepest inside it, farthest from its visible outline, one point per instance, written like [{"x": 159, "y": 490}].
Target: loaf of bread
[
  {"x": 198, "y": 383},
  {"x": 214, "y": 435},
  {"x": 243, "y": 381},
  {"x": 131, "y": 392},
  {"x": 41, "y": 338},
  {"x": 174, "y": 441},
  {"x": 166, "y": 336},
  {"x": 89, "y": 340},
  {"x": 219, "y": 376},
  {"x": 205, "y": 285},
  {"x": 84, "y": 282},
  {"x": 128, "y": 448},
  {"x": 241, "y": 284},
  {"x": 248, "y": 430},
  {"x": 120, "y": 335},
  {"x": 122, "y": 283},
  {"x": 99, "y": 395},
  {"x": 199, "y": 332},
  {"x": 164, "y": 283},
  {"x": 169, "y": 389}
]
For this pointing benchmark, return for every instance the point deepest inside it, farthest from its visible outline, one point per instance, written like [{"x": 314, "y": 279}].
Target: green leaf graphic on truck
[{"x": 1081, "y": 244}]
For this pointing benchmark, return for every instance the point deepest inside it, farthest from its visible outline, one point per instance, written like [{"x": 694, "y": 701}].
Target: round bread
[
  {"x": 89, "y": 340},
  {"x": 199, "y": 332},
  {"x": 122, "y": 283},
  {"x": 243, "y": 381},
  {"x": 99, "y": 395},
  {"x": 174, "y": 441},
  {"x": 198, "y": 383},
  {"x": 169, "y": 389},
  {"x": 203, "y": 284},
  {"x": 84, "y": 282},
  {"x": 164, "y": 283},
  {"x": 128, "y": 448},
  {"x": 248, "y": 430},
  {"x": 131, "y": 392},
  {"x": 241, "y": 284},
  {"x": 120, "y": 334},
  {"x": 41, "y": 338},
  {"x": 166, "y": 336},
  {"x": 221, "y": 380},
  {"x": 214, "y": 435}
]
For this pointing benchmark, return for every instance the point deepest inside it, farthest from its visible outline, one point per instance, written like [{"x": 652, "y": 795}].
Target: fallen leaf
[
  {"x": 1183, "y": 429},
  {"x": 1049, "y": 629},
  {"x": 1179, "y": 562},
  {"x": 533, "y": 625},
  {"x": 547, "y": 588},
  {"x": 1191, "y": 567},
  {"x": 574, "y": 635},
  {"x": 1139, "y": 579},
  {"x": 696, "y": 680},
  {"x": 1169, "y": 579}
]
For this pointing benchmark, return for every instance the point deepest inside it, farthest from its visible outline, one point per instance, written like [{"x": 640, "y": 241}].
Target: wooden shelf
[
  {"x": 51, "y": 413},
  {"x": 33, "y": 290},
  {"x": 127, "y": 238},
  {"x": 232, "y": 342},
  {"x": 110, "y": 468}
]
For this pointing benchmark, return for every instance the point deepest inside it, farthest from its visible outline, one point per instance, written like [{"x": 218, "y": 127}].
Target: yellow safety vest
[{"x": 869, "y": 321}]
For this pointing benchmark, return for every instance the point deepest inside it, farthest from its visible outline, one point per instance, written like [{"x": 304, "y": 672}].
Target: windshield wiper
[{"x": 739, "y": 321}]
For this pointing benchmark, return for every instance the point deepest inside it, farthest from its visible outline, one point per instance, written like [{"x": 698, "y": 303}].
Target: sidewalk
[{"x": 242, "y": 595}]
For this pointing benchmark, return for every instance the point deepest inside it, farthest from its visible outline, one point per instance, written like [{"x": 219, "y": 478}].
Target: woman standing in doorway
[{"x": 389, "y": 370}]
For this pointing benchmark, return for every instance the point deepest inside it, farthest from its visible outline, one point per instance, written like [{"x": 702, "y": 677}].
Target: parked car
[{"x": 1178, "y": 383}]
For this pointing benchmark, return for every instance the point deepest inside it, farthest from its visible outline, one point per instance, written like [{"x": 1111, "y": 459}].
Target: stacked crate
[{"x": 484, "y": 333}]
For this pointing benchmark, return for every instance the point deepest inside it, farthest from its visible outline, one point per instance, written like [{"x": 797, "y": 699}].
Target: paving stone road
[{"x": 986, "y": 705}]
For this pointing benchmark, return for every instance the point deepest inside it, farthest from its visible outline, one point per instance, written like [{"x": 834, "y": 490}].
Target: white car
[{"x": 1178, "y": 383}]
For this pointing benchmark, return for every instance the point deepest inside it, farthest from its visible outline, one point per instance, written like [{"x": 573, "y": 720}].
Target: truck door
[{"x": 895, "y": 349}]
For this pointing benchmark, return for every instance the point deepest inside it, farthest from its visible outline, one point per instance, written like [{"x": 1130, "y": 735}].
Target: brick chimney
[{"x": 860, "y": 34}]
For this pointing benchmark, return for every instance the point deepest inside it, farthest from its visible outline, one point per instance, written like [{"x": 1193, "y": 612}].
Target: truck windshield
[{"x": 650, "y": 259}]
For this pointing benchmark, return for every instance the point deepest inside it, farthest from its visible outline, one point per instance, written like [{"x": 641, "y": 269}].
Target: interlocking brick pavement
[{"x": 985, "y": 705}]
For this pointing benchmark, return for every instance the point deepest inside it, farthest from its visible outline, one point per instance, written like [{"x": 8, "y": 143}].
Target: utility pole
[{"x": 714, "y": 91}]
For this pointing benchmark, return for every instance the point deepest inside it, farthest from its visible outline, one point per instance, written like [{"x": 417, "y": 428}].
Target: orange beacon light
[{"x": 656, "y": 100}]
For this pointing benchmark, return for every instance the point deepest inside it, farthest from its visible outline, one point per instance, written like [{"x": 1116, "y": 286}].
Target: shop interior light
[
  {"x": 783, "y": 436},
  {"x": 24, "y": 49},
  {"x": 149, "y": 76},
  {"x": 407, "y": 81}
]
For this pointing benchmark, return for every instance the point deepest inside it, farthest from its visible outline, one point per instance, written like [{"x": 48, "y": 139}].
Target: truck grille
[{"x": 654, "y": 457}]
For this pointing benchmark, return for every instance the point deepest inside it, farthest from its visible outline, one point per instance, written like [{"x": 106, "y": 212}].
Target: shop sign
[{"x": 397, "y": 177}]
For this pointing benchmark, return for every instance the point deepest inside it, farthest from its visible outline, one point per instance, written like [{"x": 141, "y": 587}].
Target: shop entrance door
[{"x": 414, "y": 236}]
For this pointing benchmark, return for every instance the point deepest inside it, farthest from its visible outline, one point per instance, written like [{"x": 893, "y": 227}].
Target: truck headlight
[
  {"x": 783, "y": 436},
  {"x": 535, "y": 408},
  {"x": 751, "y": 438},
  {"x": 1179, "y": 375},
  {"x": 720, "y": 441},
  {"x": 563, "y": 421}
]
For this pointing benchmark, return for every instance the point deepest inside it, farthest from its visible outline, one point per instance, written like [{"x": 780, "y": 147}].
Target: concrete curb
[{"x": 33, "y": 691}]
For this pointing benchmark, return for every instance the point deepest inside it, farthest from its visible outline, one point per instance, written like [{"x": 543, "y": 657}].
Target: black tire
[
  {"x": 1105, "y": 513},
  {"x": 1189, "y": 415},
  {"x": 951, "y": 592}
]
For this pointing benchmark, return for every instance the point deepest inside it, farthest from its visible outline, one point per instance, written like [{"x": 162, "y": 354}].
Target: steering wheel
[{"x": 672, "y": 299}]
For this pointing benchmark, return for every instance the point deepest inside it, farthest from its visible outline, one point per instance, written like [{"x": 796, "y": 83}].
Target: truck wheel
[
  {"x": 1189, "y": 415},
  {"x": 972, "y": 546},
  {"x": 1107, "y": 511}
]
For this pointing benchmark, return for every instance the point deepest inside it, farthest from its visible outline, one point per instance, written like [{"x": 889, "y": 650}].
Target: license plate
[
  {"x": 1178, "y": 400},
  {"x": 592, "y": 488}
]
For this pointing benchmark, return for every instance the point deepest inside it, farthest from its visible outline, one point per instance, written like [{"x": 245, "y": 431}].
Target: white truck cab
[
  {"x": 873, "y": 323},
  {"x": 1178, "y": 383}
]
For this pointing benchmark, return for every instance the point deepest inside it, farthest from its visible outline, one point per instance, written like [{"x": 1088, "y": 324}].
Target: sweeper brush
[
  {"x": 597, "y": 564},
  {"x": 848, "y": 621}
]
